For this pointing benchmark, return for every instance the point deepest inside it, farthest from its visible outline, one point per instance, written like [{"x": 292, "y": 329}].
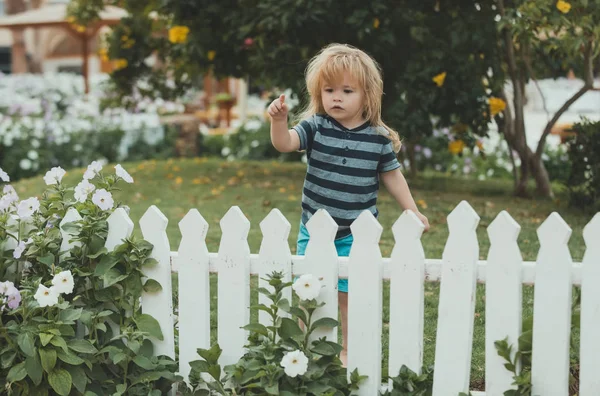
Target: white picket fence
[{"x": 504, "y": 272}]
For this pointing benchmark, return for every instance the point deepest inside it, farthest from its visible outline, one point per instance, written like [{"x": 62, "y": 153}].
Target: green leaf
[
  {"x": 34, "y": 369},
  {"x": 324, "y": 322},
  {"x": 48, "y": 259},
  {"x": 144, "y": 362},
  {"x": 45, "y": 338},
  {"x": 152, "y": 286},
  {"x": 7, "y": 359},
  {"x": 154, "y": 392},
  {"x": 210, "y": 355},
  {"x": 148, "y": 324},
  {"x": 257, "y": 328},
  {"x": 26, "y": 343},
  {"x": 79, "y": 378},
  {"x": 290, "y": 329},
  {"x": 149, "y": 262},
  {"x": 82, "y": 346},
  {"x": 326, "y": 348},
  {"x": 70, "y": 358},
  {"x": 59, "y": 342},
  {"x": 118, "y": 357},
  {"x": 121, "y": 388},
  {"x": 300, "y": 314},
  {"x": 60, "y": 380},
  {"x": 113, "y": 276},
  {"x": 201, "y": 366},
  {"x": 16, "y": 373},
  {"x": 70, "y": 315},
  {"x": 48, "y": 358},
  {"x": 100, "y": 252},
  {"x": 105, "y": 264}
]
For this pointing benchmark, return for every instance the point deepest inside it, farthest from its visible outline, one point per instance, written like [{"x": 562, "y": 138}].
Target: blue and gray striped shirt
[{"x": 343, "y": 169}]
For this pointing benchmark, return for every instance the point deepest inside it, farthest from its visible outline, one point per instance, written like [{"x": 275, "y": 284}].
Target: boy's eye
[
  {"x": 328, "y": 90},
  {"x": 348, "y": 91}
]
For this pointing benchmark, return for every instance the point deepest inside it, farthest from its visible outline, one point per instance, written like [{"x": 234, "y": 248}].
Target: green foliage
[
  {"x": 261, "y": 370},
  {"x": 94, "y": 340},
  {"x": 252, "y": 141},
  {"x": 519, "y": 364},
  {"x": 409, "y": 383},
  {"x": 584, "y": 156},
  {"x": 272, "y": 41}
]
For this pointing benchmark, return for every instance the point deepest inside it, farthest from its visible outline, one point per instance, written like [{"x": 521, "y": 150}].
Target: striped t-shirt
[{"x": 343, "y": 169}]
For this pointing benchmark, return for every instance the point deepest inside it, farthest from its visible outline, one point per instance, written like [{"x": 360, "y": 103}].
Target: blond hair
[{"x": 329, "y": 64}]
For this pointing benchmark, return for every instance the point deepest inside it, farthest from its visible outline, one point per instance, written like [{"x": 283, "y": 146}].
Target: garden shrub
[{"x": 584, "y": 156}]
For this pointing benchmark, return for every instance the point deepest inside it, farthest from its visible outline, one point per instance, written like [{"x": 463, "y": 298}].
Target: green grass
[{"x": 213, "y": 186}]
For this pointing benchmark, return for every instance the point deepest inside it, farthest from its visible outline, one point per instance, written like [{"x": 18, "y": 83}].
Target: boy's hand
[
  {"x": 423, "y": 220},
  {"x": 278, "y": 110}
]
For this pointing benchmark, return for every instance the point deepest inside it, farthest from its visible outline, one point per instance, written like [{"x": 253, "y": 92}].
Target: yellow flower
[
  {"x": 129, "y": 43},
  {"x": 563, "y": 6},
  {"x": 178, "y": 34},
  {"x": 439, "y": 79},
  {"x": 376, "y": 23},
  {"x": 103, "y": 54},
  {"x": 456, "y": 147},
  {"x": 211, "y": 55},
  {"x": 79, "y": 28},
  {"x": 496, "y": 106},
  {"x": 178, "y": 180},
  {"x": 71, "y": 19},
  {"x": 422, "y": 203},
  {"x": 120, "y": 64}
]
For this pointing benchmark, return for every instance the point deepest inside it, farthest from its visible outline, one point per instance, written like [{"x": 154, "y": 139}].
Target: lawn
[{"x": 213, "y": 186}]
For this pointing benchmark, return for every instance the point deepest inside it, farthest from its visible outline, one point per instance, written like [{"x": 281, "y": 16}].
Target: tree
[
  {"x": 560, "y": 30},
  {"x": 435, "y": 57}
]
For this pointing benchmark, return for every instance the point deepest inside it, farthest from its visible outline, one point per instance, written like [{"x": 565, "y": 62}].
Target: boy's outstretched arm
[
  {"x": 396, "y": 184},
  {"x": 283, "y": 139}
]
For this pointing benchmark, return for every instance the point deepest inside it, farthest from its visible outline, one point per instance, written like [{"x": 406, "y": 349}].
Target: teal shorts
[{"x": 342, "y": 245}]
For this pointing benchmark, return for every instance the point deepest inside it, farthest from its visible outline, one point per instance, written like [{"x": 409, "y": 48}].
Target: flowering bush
[
  {"x": 584, "y": 177},
  {"x": 47, "y": 121},
  {"x": 70, "y": 319},
  {"x": 280, "y": 359}
]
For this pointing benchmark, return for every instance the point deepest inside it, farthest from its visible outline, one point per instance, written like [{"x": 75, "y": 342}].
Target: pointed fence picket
[
  {"x": 456, "y": 309},
  {"x": 590, "y": 311},
  {"x": 504, "y": 273},
  {"x": 503, "y": 299},
  {"x": 407, "y": 297},
  {"x": 233, "y": 285},
  {"x": 552, "y": 310},
  {"x": 365, "y": 303}
]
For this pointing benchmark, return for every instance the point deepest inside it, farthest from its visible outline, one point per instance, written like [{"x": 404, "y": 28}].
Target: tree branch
[{"x": 588, "y": 85}]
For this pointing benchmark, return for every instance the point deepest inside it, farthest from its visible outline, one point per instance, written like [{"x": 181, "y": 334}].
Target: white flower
[
  {"x": 33, "y": 155},
  {"x": 294, "y": 363},
  {"x": 10, "y": 192},
  {"x": 83, "y": 189},
  {"x": 45, "y": 296},
  {"x": 92, "y": 170},
  {"x": 20, "y": 249},
  {"x": 28, "y": 207},
  {"x": 5, "y": 203},
  {"x": 6, "y": 286},
  {"x": 63, "y": 282},
  {"x": 25, "y": 164},
  {"x": 103, "y": 199},
  {"x": 54, "y": 175},
  {"x": 307, "y": 287},
  {"x": 122, "y": 173},
  {"x": 4, "y": 176}
]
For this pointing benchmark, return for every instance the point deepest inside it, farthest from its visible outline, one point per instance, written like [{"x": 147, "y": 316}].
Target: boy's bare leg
[{"x": 343, "y": 303}]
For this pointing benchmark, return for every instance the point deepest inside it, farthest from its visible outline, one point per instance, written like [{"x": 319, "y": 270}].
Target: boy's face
[{"x": 343, "y": 100}]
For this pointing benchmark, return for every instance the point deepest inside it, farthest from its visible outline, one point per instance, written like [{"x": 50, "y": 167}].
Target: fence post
[
  {"x": 194, "y": 290},
  {"x": 159, "y": 304},
  {"x": 274, "y": 255},
  {"x": 503, "y": 302},
  {"x": 457, "y": 304},
  {"x": 233, "y": 285},
  {"x": 552, "y": 310},
  {"x": 407, "y": 298}
]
